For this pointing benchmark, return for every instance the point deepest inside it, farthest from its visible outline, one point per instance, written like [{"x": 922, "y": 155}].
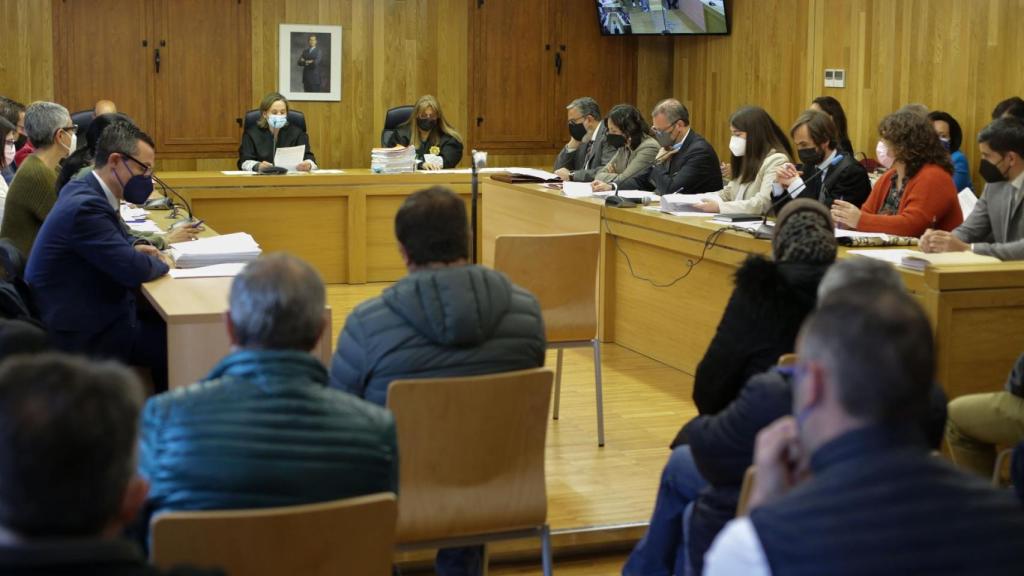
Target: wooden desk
[
  {"x": 197, "y": 335},
  {"x": 645, "y": 305},
  {"x": 342, "y": 224}
]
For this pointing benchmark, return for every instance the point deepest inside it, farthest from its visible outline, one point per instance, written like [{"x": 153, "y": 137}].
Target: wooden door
[
  {"x": 202, "y": 86},
  {"x": 513, "y": 59},
  {"x": 602, "y": 67},
  {"x": 102, "y": 50}
]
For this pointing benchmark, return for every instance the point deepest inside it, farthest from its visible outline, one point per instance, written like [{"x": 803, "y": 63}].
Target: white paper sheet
[
  {"x": 893, "y": 256},
  {"x": 237, "y": 172},
  {"x": 289, "y": 157},
  {"x": 144, "y": 226},
  {"x": 967, "y": 201},
  {"x": 542, "y": 174},
  {"x": 217, "y": 270},
  {"x": 577, "y": 189},
  {"x": 327, "y": 171}
]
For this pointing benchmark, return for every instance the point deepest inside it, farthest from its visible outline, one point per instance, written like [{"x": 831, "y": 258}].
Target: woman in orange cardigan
[{"x": 916, "y": 193}]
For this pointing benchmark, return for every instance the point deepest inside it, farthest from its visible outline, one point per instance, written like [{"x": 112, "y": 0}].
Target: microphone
[
  {"x": 166, "y": 188},
  {"x": 791, "y": 194}
]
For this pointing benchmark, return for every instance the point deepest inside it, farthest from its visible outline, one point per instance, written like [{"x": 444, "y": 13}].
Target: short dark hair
[
  {"x": 632, "y": 124},
  {"x": 21, "y": 337},
  {"x": 956, "y": 134},
  {"x": 820, "y": 126},
  {"x": 432, "y": 227},
  {"x": 68, "y": 430},
  {"x": 120, "y": 137},
  {"x": 1004, "y": 134},
  {"x": 277, "y": 303},
  {"x": 1012, "y": 106},
  {"x": 878, "y": 348},
  {"x": 11, "y": 109}
]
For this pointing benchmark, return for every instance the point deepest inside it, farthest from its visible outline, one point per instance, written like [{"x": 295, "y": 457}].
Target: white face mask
[
  {"x": 738, "y": 145},
  {"x": 73, "y": 145},
  {"x": 8, "y": 153}
]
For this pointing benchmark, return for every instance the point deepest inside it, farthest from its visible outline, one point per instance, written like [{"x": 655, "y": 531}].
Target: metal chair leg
[
  {"x": 545, "y": 549},
  {"x": 558, "y": 383},
  {"x": 600, "y": 393}
]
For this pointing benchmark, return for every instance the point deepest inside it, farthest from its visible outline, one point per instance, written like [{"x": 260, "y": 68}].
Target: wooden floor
[{"x": 645, "y": 404}]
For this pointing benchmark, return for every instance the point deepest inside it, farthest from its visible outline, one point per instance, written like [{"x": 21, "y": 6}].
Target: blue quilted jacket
[
  {"x": 264, "y": 430},
  {"x": 459, "y": 321}
]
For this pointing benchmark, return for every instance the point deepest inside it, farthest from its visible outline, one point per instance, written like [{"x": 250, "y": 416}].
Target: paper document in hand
[
  {"x": 238, "y": 247},
  {"x": 967, "y": 201},
  {"x": 214, "y": 271},
  {"x": 289, "y": 157}
]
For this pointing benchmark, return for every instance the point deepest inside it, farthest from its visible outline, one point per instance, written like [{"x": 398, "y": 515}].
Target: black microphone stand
[{"x": 174, "y": 212}]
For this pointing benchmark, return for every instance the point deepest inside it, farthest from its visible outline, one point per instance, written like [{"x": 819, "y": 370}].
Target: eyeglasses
[
  {"x": 73, "y": 129},
  {"x": 147, "y": 169}
]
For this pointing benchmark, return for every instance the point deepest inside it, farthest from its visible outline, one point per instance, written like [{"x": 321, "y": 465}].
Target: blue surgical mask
[
  {"x": 137, "y": 189},
  {"x": 277, "y": 121}
]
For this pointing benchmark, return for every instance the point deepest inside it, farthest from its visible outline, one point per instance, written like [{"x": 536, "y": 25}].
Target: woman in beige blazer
[
  {"x": 759, "y": 148},
  {"x": 631, "y": 135}
]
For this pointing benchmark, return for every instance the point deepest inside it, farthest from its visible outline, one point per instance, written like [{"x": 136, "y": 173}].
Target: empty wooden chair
[
  {"x": 350, "y": 536},
  {"x": 472, "y": 459},
  {"x": 561, "y": 271}
]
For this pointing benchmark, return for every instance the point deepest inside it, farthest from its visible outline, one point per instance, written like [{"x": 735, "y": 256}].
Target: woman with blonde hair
[{"x": 429, "y": 132}]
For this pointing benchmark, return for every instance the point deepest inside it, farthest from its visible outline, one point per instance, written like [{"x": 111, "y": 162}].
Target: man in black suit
[
  {"x": 686, "y": 163},
  {"x": 817, "y": 138},
  {"x": 310, "y": 60},
  {"x": 585, "y": 153}
]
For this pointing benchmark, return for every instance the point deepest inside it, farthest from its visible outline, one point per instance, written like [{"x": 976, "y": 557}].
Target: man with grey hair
[
  {"x": 585, "y": 153},
  {"x": 263, "y": 429},
  {"x": 701, "y": 481},
  {"x": 686, "y": 163},
  {"x": 32, "y": 192}
]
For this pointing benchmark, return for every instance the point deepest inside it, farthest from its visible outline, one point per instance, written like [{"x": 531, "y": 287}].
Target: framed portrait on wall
[{"x": 309, "y": 62}]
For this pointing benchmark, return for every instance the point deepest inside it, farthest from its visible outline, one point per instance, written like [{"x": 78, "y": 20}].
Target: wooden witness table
[
  {"x": 342, "y": 224},
  {"x": 193, "y": 309},
  {"x": 977, "y": 312}
]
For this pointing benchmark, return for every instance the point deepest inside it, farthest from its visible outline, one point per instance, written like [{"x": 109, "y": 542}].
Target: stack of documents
[
  {"x": 393, "y": 160},
  {"x": 239, "y": 247}
]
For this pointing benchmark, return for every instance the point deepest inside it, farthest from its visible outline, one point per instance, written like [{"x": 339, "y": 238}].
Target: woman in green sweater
[{"x": 32, "y": 192}]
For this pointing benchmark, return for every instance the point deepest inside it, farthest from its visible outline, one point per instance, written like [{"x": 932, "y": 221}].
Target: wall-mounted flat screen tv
[{"x": 662, "y": 17}]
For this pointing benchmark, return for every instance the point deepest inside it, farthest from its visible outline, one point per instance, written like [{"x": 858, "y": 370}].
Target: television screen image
[{"x": 662, "y": 17}]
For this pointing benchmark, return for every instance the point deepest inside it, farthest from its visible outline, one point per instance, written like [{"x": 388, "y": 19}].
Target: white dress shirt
[{"x": 737, "y": 551}]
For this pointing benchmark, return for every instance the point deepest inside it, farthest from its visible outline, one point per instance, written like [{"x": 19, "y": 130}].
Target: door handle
[{"x": 558, "y": 63}]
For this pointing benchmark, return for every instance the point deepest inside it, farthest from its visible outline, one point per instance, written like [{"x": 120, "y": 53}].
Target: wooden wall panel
[{"x": 26, "y": 50}]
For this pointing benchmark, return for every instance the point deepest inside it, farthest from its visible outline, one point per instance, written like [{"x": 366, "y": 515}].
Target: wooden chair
[
  {"x": 561, "y": 271},
  {"x": 749, "y": 478},
  {"x": 1002, "y": 459},
  {"x": 788, "y": 360},
  {"x": 472, "y": 459},
  {"x": 351, "y": 536}
]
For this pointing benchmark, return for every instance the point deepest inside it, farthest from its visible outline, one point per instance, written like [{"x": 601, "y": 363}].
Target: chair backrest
[
  {"x": 295, "y": 117},
  {"x": 394, "y": 118},
  {"x": 749, "y": 478},
  {"x": 351, "y": 536},
  {"x": 788, "y": 360},
  {"x": 82, "y": 119},
  {"x": 472, "y": 453},
  {"x": 561, "y": 271}
]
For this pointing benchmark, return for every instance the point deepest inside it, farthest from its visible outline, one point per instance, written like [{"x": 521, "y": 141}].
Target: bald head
[{"x": 104, "y": 107}]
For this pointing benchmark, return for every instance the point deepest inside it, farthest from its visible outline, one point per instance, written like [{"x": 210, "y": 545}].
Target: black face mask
[
  {"x": 577, "y": 131},
  {"x": 615, "y": 140},
  {"x": 810, "y": 157},
  {"x": 21, "y": 141},
  {"x": 426, "y": 124},
  {"x": 990, "y": 172}
]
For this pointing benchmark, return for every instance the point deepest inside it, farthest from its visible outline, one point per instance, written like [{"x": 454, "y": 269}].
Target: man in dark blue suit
[
  {"x": 310, "y": 60},
  {"x": 85, "y": 271}
]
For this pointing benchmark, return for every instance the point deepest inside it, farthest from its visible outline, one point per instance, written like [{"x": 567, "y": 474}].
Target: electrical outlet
[{"x": 839, "y": 81}]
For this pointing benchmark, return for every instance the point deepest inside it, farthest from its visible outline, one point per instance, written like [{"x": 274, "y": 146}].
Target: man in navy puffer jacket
[
  {"x": 263, "y": 429},
  {"x": 446, "y": 318}
]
